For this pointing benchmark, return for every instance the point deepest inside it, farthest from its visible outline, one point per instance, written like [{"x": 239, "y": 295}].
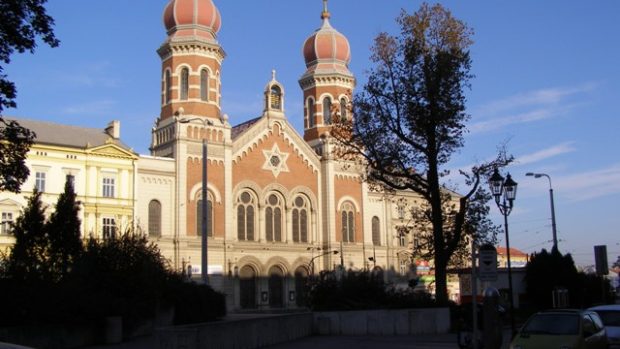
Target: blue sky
[{"x": 547, "y": 84}]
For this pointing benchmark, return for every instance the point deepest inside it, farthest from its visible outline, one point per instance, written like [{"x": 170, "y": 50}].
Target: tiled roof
[
  {"x": 513, "y": 252},
  {"x": 66, "y": 135},
  {"x": 241, "y": 128}
]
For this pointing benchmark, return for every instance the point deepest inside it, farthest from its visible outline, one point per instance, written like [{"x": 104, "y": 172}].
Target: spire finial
[
  {"x": 325, "y": 14},
  {"x": 273, "y": 75}
]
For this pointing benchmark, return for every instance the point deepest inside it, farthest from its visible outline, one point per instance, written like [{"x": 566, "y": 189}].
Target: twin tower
[{"x": 191, "y": 71}]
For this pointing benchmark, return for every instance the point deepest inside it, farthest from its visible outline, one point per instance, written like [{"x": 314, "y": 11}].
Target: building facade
[{"x": 279, "y": 206}]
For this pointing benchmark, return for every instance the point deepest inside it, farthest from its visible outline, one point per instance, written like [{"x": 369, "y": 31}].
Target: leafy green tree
[
  {"x": 15, "y": 141},
  {"x": 64, "y": 231},
  {"x": 410, "y": 119},
  {"x": 21, "y": 23},
  {"x": 28, "y": 257}
]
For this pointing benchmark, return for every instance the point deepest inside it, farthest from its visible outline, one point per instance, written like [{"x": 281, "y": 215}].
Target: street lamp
[
  {"x": 311, "y": 264},
  {"x": 507, "y": 191},
  {"x": 204, "y": 265},
  {"x": 553, "y": 229}
]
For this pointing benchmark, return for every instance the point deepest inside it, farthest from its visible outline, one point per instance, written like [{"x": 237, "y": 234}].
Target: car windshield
[
  {"x": 609, "y": 317},
  {"x": 553, "y": 324}
]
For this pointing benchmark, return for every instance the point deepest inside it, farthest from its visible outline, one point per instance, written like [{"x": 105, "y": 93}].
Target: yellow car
[{"x": 562, "y": 329}]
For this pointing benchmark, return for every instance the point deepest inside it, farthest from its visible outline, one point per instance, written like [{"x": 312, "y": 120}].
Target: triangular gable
[
  {"x": 112, "y": 150},
  {"x": 9, "y": 203},
  {"x": 260, "y": 130}
]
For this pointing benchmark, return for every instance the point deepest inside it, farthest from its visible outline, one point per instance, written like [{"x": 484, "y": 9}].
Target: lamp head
[
  {"x": 496, "y": 182},
  {"x": 510, "y": 189}
]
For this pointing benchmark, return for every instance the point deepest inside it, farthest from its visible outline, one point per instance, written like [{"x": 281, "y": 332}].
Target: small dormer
[{"x": 274, "y": 96}]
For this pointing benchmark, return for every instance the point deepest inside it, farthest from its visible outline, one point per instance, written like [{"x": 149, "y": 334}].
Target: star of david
[{"x": 275, "y": 160}]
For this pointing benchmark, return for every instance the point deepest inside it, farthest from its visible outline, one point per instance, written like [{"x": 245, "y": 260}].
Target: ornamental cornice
[
  {"x": 314, "y": 80},
  {"x": 193, "y": 48}
]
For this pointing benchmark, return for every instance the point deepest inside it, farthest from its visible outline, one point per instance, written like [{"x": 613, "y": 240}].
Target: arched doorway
[
  {"x": 301, "y": 283},
  {"x": 247, "y": 287},
  {"x": 276, "y": 287}
]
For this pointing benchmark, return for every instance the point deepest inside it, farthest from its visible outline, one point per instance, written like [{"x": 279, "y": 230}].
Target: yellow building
[{"x": 100, "y": 166}]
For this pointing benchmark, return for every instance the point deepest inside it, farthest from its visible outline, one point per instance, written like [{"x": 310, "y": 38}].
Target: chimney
[{"x": 114, "y": 129}]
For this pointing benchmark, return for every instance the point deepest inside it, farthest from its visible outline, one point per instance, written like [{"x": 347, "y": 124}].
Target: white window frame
[
  {"x": 5, "y": 224},
  {"x": 40, "y": 178},
  {"x": 108, "y": 187},
  {"x": 108, "y": 228}
]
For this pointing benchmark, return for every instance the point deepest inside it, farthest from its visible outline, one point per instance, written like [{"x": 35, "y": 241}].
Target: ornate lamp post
[
  {"x": 505, "y": 192},
  {"x": 553, "y": 229},
  {"x": 204, "y": 265}
]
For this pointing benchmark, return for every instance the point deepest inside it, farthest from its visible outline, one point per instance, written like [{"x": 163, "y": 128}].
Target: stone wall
[
  {"x": 382, "y": 322},
  {"x": 254, "y": 332}
]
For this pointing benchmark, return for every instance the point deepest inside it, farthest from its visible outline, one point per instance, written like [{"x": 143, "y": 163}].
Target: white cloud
[
  {"x": 91, "y": 108},
  {"x": 534, "y": 98},
  {"x": 527, "y": 107},
  {"x": 591, "y": 184},
  {"x": 545, "y": 154}
]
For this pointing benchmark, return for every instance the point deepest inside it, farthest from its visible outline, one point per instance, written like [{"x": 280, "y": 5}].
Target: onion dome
[
  {"x": 326, "y": 47},
  {"x": 184, "y": 18}
]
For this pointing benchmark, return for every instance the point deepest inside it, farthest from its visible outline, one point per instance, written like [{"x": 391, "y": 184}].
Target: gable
[
  {"x": 256, "y": 136},
  {"x": 112, "y": 150},
  {"x": 273, "y": 157}
]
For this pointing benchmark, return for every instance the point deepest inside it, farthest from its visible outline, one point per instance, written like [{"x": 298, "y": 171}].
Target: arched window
[
  {"x": 276, "y": 98},
  {"x": 245, "y": 216},
  {"x": 301, "y": 279},
  {"x": 168, "y": 87},
  {"x": 273, "y": 218},
  {"x": 311, "y": 112},
  {"x": 247, "y": 287},
  {"x": 209, "y": 217},
  {"x": 300, "y": 220},
  {"x": 154, "y": 218},
  {"x": 204, "y": 85},
  {"x": 184, "y": 83},
  {"x": 327, "y": 111},
  {"x": 276, "y": 287},
  {"x": 348, "y": 222},
  {"x": 376, "y": 231},
  {"x": 343, "y": 109}
]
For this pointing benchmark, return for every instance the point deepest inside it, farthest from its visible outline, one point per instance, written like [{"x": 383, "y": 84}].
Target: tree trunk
[{"x": 441, "y": 280}]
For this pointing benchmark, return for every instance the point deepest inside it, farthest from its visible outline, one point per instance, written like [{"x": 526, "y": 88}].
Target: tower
[
  {"x": 191, "y": 60},
  {"x": 327, "y": 83}
]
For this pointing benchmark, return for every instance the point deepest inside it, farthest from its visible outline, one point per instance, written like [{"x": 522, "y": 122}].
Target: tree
[
  {"x": 410, "y": 119},
  {"x": 64, "y": 233},
  {"x": 549, "y": 271},
  {"x": 28, "y": 257},
  {"x": 477, "y": 226},
  {"x": 21, "y": 23}
]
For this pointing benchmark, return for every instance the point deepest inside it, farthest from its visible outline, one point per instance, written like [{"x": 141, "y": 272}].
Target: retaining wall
[
  {"x": 383, "y": 322},
  {"x": 239, "y": 334}
]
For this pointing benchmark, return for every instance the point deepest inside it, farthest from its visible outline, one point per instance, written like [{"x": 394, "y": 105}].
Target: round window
[
  {"x": 299, "y": 202},
  {"x": 245, "y": 198},
  {"x": 275, "y": 160},
  {"x": 273, "y": 200}
]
